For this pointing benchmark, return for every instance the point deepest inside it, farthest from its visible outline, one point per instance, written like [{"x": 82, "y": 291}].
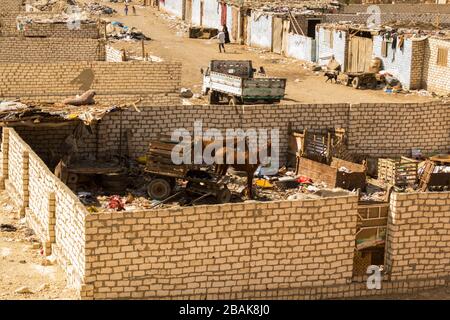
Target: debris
[
  {"x": 186, "y": 93},
  {"x": 115, "y": 202},
  {"x": 43, "y": 287},
  {"x": 24, "y": 290},
  {"x": 86, "y": 98},
  {"x": 263, "y": 183},
  {"x": 7, "y": 227},
  {"x": 98, "y": 9}
]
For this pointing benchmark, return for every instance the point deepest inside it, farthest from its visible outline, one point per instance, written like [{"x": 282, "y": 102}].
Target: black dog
[{"x": 331, "y": 75}]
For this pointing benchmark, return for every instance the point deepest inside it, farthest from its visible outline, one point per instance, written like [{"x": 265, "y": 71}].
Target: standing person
[
  {"x": 227, "y": 34},
  {"x": 126, "y": 9},
  {"x": 134, "y": 9},
  {"x": 221, "y": 37}
]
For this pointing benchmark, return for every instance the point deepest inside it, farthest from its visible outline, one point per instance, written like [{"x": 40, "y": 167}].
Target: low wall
[
  {"x": 51, "y": 209},
  {"x": 24, "y": 50},
  {"x": 155, "y": 83},
  {"x": 419, "y": 235},
  {"x": 221, "y": 251}
]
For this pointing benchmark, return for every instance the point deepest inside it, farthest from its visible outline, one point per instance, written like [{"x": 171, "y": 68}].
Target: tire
[
  {"x": 159, "y": 189},
  {"x": 223, "y": 196},
  {"x": 356, "y": 82},
  {"x": 213, "y": 97}
]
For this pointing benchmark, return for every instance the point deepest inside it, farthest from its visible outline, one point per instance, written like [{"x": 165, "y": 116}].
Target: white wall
[
  {"x": 196, "y": 12},
  {"x": 397, "y": 62},
  {"x": 211, "y": 14},
  {"x": 324, "y": 52},
  {"x": 300, "y": 47},
  {"x": 261, "y": 31},
  {"x": 173, "y": 7}
]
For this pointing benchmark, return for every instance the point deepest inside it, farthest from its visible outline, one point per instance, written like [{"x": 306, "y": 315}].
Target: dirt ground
[
  {"x": 304, "y": 86},
  {"x": 22, "y": 264}
]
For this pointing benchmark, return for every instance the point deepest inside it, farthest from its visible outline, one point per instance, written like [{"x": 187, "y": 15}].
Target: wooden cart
[
  {"x": 165, "y": 173},
  {"x": 358, "y": 79}
]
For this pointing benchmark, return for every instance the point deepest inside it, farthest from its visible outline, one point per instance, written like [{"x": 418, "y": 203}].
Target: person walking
[
  {"x": 221, "y": 38},
  {"x": 134, "y": 9},
  {"x": 126, "y": 9}
]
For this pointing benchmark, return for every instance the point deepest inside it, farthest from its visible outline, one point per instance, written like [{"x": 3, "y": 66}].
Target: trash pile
[
  {"x": 118, "y": 31},
  {"x": 96, "y": 8}
]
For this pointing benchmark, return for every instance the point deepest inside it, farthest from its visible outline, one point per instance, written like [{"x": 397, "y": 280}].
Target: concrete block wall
[
  {"x": 436, "y": 78},
  {"x": 51, "y": 209},
  {"x": 156, "y": 83},
  {"x": 24, "y": 50},
  {"x": 11, "y": 6},
  {"x": 391, "y": 130},
  {"x": 419, "y": 235},
  {"x": 229, "y": 251}
]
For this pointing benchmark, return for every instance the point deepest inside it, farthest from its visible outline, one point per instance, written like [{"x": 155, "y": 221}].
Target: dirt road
[
  {"x": 22, "y": 264},
  {"x": 303, "y": 85}
]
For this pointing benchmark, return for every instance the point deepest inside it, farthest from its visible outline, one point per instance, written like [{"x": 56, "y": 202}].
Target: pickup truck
[{"x": 234, "y": 81}]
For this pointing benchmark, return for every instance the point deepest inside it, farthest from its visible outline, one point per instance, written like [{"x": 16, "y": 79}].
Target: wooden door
[
  {"x": 359, "y": 54},
  {"x": 286, "y": 27},
  {"x": 277, "y": 34}
]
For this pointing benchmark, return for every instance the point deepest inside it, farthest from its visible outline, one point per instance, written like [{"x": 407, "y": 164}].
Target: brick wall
[
  {"x": 11, "y": 5},
  {"x": 156, "y": 83},
  {"x": 419, "y": 235},
  {"x": 435, "y": 77},
  {"x": 52, "y": 210},
  {"x": 8, "y": 28},
  {"x": 393, "y": 129},
  {"x": 399, "y": 7},
  {"x": 228, "y": 251},
  {"x": 24, "y": 50}
]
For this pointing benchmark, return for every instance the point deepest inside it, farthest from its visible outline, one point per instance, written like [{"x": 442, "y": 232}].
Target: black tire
[
  {"x": 223, "y": 196},
  {"x": 213, "y": 97},
  {"x": 356, "y": 82},
  {"x": 159, "y": 189}
]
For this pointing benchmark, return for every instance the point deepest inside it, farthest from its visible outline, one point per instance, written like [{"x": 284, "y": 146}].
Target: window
[{"x": 442, "y": 57}]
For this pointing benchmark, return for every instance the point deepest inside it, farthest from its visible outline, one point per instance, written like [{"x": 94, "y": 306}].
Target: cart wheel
[
  {"x": 223, "y": 196},
  {"x": 159, "y": 189},
  {"x": 356, "y": 82}
]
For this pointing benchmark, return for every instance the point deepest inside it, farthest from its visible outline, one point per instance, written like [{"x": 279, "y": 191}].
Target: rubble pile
[
  {"x": 96, "y": 8},
  {"x": 118, "y": 31}
]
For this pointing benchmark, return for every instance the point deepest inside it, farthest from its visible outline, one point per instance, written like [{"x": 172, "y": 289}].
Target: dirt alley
[{"x": 303, "y": 85}]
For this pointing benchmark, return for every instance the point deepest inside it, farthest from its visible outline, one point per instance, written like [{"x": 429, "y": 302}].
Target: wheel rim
[{"x": 159, "y": 189}]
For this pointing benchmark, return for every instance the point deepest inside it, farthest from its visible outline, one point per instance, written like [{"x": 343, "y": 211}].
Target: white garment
[{"x": 221, "y": 37}]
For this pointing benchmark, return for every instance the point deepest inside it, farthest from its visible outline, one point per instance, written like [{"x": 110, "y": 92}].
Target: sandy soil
[
  {"x": 303, "y": 86},
  {"x": 22, "y": 264}
]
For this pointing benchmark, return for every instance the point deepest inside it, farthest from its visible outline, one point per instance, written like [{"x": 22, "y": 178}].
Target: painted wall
[
  {"x": 261, "y": 31},
  {"x": 324, "y": 51},
  {"x": 301, "y": 47},
  {"x": 398, "y": 61},
  {"x": 211, "y": 14},
  {"x": 436, "y": 78},
  {"x": 196, "y": 14},
  {"x": 230, "y": 21},
  {"x": 174, "y": 7}
]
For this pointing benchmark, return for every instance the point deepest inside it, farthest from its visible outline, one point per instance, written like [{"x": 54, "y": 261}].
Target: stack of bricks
[
  {"x": 61, "y": 30},
  {"x": 24, "y": 50},
  {"x": 436, "y": 77},
  {"x": 419, "y": 236},
  {"x": 231, "y": 251},
  {"x": 155, "y": 83}
]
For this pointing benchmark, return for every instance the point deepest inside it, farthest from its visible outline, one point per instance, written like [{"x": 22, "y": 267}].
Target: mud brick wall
[
  {"x": 24, "y": 50},
  {"x": 228, "y": 251},
  {"x": 156, "y": 83},
  {"x": 8, "y": 24},
  {"x": 400, "y": 7},
  {"x": 386, "y": 18},
  {"x": 435, "y": 77},
  {"x": 393, "y": 129},
  {"x": 419, "y": 235}
]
